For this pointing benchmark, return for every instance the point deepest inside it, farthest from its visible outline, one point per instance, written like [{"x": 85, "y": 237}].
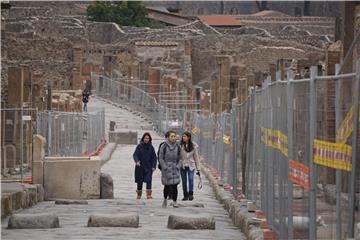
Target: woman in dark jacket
[{"x": 145, "y": 164}]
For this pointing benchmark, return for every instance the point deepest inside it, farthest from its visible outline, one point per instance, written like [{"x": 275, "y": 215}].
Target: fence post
[
  {"x": 234, "y": 142},
  {"x": 290, "y": 125},
  {"x": 271, "y": 177},
  {"x": 352, "y": 192},
  {"x": 254, "y": 147},
  {"x": 248, "y": 147},
  {"x": 338, "y": 117},
  {"x": 49, "y": 134},
  {"x": 313, "y": 167}
]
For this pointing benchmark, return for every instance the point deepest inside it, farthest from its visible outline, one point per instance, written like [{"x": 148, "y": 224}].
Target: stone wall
[{"x": 247, "y": 7}]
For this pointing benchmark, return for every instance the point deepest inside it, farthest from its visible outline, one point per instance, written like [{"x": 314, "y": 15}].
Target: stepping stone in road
[
  {"x": 33, "y": 221},
  {"x": 191, "y": 222},
  {"x": 70, "y": 201},
  {"x": 198, "y": 205},
  {"x": 128, "y": 220}
]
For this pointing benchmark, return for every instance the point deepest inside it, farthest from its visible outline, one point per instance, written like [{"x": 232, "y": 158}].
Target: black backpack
[{"x": 164, "y": 152}]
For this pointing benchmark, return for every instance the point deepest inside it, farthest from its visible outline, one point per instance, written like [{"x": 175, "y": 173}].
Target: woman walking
[
  {"x": 190, "y": 162},
  {"x": 145, "y": 164},
  {"x": 169, "y": 157}
]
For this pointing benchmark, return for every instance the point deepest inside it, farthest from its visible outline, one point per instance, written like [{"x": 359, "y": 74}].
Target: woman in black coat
[{"x": 145, "y": 164}]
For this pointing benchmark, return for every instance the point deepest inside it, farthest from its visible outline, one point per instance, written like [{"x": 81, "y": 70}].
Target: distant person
[
  {"x": 190, "y": 163},
  {"x": 145, "y": 164},
  {"x": 85, "y": 99},
  {"x": 170, "y": 161}
]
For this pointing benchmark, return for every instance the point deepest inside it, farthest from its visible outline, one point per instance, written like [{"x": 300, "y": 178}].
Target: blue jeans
[{"x": 185, "y": 174}]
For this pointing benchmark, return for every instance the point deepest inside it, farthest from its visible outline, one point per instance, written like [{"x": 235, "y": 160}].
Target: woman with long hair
[
  {"x": 145, "y": 164},
  {"x": 190, "y": 163}
]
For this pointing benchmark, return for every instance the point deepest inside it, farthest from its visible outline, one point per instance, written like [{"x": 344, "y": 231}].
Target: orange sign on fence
[{"x": 299, "y": 174}]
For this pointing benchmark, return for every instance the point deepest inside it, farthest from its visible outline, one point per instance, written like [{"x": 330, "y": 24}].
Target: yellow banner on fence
[
  {"x": 195, "y": 130},
  {"x": 334, "y": 155},
  {"x": 226, "y": 139},
  {"x": 346, "y": 127},
  {"x": 206, "y": 135},
  {"x": 275, "y": 139}
]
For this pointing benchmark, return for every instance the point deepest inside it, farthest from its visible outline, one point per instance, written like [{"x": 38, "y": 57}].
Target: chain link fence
[
  {"x": 291, "y": 148},
  {"x": 72, "y": 133},
  {"x": 293, "y": 151}
]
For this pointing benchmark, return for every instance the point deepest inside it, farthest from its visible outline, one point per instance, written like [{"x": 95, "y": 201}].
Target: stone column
[
  {"x": 154, "y": 78},
  {"x": 223, "y": 62},
  {"x": 38, "y": 156},
  {"x": 14, "y": 86},
  {"x": 76, "y": 71}
]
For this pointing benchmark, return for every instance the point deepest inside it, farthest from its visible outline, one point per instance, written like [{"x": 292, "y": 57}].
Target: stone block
[
  {"x": 18, "y": 200},
  {"x": 33, "y": 221},
  {"x": 123, "y": 137},
  {"x": 189, "y": 204},
  {"x": 70, "y": 201},
  {"x": 6, "y": 206},
  {"x": 40, "y": 192},
  {"x": 191, "y": 222},
  {"x": 127, "y": 220},
  {"x": 25, "y": 199},
  {"x": 31, "y": 192},
  {"x": 106, "y": 186},
  {"x": 72, "y": 178},
  {"x": 39, "y": 143},
  {"x": 38, "y": 172},
  {"x": 251, "y": 206},
  {"x": 112, "y": 126}
]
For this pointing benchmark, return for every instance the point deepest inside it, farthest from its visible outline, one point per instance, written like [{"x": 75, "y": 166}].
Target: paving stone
[
  {"x": 33, "y": 221},
  {"x": 129, "y": 220},
  {"x": 70, "y": 201},
  {"x": 190, "y": 222}
]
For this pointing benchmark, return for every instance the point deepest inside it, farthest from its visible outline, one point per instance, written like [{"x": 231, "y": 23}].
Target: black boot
[
  {"x": 191, "y": 196},
  {"x": 186, "y": 196}
]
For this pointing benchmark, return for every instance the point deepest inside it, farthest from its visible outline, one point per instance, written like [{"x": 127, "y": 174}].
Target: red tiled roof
[{"x": 220, "y": 20}]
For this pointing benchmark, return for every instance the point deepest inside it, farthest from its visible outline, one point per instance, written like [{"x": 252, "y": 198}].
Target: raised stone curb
[
  {"x": 16, "y": 196},
  {"x": 33, "y": 221},
  {"x": 238, "y": 211},
  {"x": 186, "y": 222},
  {"x": 128, "y": 220},
  {"x": 70, "y": 201}
]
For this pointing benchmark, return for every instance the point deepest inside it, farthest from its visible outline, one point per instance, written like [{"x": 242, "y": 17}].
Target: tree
[{"x": 124, "y": 13}]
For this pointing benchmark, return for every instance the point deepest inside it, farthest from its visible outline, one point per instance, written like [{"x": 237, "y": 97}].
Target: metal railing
[{"x": 163, "y": 117}]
